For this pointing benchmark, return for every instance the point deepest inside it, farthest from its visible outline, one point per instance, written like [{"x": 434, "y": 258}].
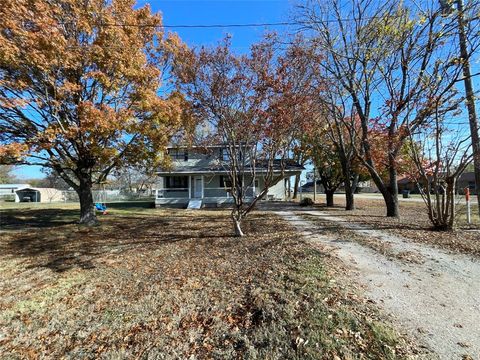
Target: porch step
[{"x": 194, "y": 204}]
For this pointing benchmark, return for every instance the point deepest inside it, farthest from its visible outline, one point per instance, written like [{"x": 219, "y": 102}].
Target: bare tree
[
  {"x": 466, "y": 18},
  {"x": 327, "y": 162},
  {"x": 394, "y": 64},
  {"x": 343, "y": 133},
  {"x": 6, "y": 175},
  {"x": 53, "y": 180},
  {"x": 440, "y": 154},
  {"x": 136, "y": 179},
  {"x": 247, "y": 103}
]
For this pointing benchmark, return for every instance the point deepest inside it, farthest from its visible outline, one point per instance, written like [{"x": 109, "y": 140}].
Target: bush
[
  {"x": 7, "y": 197},
  {"x": 306, "y": 202}
]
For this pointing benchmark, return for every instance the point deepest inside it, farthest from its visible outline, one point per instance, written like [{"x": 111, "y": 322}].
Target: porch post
[
  {"x": 189, "y": 186},
  {"x": 203, "y": 185}
]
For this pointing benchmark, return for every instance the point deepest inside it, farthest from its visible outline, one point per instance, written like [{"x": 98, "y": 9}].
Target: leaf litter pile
[{"x": 174, "y": 284}]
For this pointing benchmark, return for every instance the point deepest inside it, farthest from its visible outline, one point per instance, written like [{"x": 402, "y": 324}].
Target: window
[
  {"x": 225, "y": 182},
  {"x": 178, "y": 154},
  {"x": 224, "y": 154},
  {"x": 176, "y": 182}
]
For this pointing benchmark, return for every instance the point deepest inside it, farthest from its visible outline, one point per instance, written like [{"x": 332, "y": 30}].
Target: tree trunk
[
  {"x": 392, "y": 190},
  {"x": 350, "y": 184},
  {"x": 237, "y": 227},
  {"x": 446, "y": 219},
  {"x": 391, "y": 202},
  {"x": 349, "y": 199},
  {"x": 350, "y": 187},
  {"x": 297, "y": 183},
  {"x": 355, "y": 180},
  {"x": 87, "y": 211},
  {"x": 329, "y": 194},
  {"x": 469, "y": 96},
  {"x": 237, "y": 217},
  {"x": 289, "y": 183}
]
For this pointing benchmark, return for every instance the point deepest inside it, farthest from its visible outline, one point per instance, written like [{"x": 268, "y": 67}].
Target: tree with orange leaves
[
  {"x": 79, "y": 89},
  {"x": 250, "y": 104}
]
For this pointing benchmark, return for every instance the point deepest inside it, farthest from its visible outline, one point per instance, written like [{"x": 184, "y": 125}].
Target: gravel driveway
[{"x": 436, "y": 299}]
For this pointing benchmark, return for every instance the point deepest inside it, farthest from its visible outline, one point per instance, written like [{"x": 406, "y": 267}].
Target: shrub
[{"x": 306, "y": 202}]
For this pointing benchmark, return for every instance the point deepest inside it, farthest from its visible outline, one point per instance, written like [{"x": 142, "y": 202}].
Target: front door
[{"x": 197, "y": 187}]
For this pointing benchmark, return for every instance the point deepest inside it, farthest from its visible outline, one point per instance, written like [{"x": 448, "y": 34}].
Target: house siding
[
  {"x": 210, "y": 168},
  {"x": 213, "y": 193}
]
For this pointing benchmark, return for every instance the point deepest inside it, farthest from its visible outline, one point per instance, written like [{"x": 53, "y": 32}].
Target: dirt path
[{"x": 436, "y": 298}]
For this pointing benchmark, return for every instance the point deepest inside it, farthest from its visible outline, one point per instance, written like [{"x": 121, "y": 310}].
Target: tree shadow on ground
[
  {"x": 50, "y": 239},
  {"x": 18, "y": 219}
]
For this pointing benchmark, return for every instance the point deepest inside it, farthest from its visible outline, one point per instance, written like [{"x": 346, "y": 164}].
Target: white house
[
  {"x": 30, "y": 194},
  {"x": 8, "y": 190},
  {"x": 203, "y": 175}
]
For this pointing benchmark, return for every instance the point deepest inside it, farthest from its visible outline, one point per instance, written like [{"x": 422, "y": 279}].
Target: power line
[
  {"x": 211, "y": 26},
  {"x": 207, "y": 26},
  {"x": 236, "y": 25},
  {"x": 246, "y": 25}
]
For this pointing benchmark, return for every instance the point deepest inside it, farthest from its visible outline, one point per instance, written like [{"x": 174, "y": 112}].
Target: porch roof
[{"x": 291, "y": 168}]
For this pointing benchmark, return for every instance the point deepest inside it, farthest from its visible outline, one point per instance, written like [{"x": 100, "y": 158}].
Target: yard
[
  {"x": 152, "y": 283},
  {"x": 427, "y": 280},
  {"x": 413, "y": 223}
]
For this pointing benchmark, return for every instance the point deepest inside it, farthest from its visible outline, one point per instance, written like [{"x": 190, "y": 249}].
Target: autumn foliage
[
  {"x": 79, "y": 88},
  {"x": 251, "y": 104}
]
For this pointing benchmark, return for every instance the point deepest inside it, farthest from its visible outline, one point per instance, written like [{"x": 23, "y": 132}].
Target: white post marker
[
  {"x": 467, "y": 199},
  {"x": 301, "y": 193}
]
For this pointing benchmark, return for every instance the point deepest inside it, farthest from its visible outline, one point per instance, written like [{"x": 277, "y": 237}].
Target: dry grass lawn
[
  {"x": 168, "y": 284},
  {"x": 413, "y": 224}
]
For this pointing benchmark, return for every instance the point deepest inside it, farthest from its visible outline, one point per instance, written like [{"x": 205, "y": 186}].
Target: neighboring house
[
  {"x": 407, "y": 184},
  {"x": 202, "y": 175},
  {"x": 367, "y": 186},
  {"x": 30, "y": 194},
  {"x": 362, "y": 187},
  {"x": 309, "y": 188},
  {"x": 7, "y": 191},
  {"x": 466, "y": 180}
]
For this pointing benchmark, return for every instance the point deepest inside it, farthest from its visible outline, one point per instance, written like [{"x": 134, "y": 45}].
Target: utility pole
[
  {"x": 470, "y": 97},
  {"x": 469, "y": 93}
]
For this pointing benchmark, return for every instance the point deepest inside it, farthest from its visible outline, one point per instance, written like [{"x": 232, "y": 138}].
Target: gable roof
[
  {"x": 467, "y": 176},
  {"x": 215, "y": 166},
  {"x": 13, "y": 186}
]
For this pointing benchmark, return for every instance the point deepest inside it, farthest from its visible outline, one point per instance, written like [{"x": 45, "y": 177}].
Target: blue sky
[
  {"x": 207, "y": 12},
  {"x": 200, "y": 12},
  {"x": 180, "y": 12}
]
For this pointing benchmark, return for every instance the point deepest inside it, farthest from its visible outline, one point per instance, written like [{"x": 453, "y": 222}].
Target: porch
[{"x": 211, "y": 189}]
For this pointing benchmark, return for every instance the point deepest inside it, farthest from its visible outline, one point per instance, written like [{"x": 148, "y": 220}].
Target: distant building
[
  {"x": 44, "y": 195},
  {"x": 8, "y": 190},
  {"x": 362, "y": 186},
  {"x": 407, "y": 184},
  {"x": 466, "y": 180},
  {"x": 308, "y": 187}
]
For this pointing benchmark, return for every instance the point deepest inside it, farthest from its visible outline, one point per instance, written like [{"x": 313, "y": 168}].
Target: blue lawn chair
[{"x": 101, "y": 207}]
